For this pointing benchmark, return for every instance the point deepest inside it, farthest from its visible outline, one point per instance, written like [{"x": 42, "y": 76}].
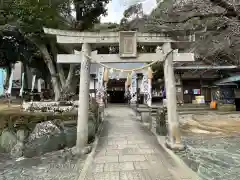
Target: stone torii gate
[{"x": 127, "y": 41}]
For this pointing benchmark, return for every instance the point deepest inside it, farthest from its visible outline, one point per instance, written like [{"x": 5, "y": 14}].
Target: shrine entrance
[{"x": 116, "y": 90}]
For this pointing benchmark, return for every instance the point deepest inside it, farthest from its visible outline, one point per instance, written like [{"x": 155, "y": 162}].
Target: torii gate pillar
[
  {"x": 173, "y": 140},
  {"x": 83, "y": 103}
]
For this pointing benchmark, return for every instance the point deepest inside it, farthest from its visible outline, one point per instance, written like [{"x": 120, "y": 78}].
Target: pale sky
[{"x": 117, "y": 7}]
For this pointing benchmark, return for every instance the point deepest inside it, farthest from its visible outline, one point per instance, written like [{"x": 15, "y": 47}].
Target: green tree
[
  {"x": 30, "y": 16},
  {"x": 88, "y": 12}
]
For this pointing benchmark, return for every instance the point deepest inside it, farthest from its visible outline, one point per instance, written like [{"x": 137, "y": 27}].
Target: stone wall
[{"x": 34, "y": 133}]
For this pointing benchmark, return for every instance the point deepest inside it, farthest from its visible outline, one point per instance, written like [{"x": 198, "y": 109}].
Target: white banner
[
  {"x": 134, "y": 87},
  {"x": 100, "y": 87},
  {"x": 9, "y": 91},
  {"x": 144, "y": 85},
  {"x": 22, "y": 85},
  {"x": 39, "y": 84},
  {"x": 100, "y": 78},
  {"x": 33, "y": 82}
]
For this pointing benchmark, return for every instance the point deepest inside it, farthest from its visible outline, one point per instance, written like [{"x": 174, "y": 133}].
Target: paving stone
[
  {"x": 144, "y": 146},
  {"x": 147, "y": 151},
  {"x": 144, "y": 165},
  {"x": 106, "y": 159},
  {"x": 136, "y": 142},
  {"x": 97, "y": 168},
  {"x": 115, "y": 146},
  {"x": 125, "y": 166},
  {"x": 113, "y": 152},
  {"x": 100, "y": 153},
  {"x": 152, "y": 158},
  {"x": 131, "y": 151},
  {"x": 117, "y": 139},
  {"x": 139, "y": 137},
  {"x": 134, "y": 175},
  {"x": 89, "y": 176},
  {"x": 124, "y": 146},
  {"x": 127, "y": 158},
  {"x": 107, "y": 176},
  {"x": 113, "y": 142}
]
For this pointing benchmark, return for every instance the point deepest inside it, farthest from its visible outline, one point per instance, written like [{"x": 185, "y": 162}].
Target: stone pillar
[
  {"x": 174, "y": 140},
  {"x": 82, "y": 125}
]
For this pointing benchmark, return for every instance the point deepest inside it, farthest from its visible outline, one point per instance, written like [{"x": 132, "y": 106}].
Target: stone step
[
  {"x": 195, "y": 105},
  {"x": 193, "y": 109},
  {"x": 194, "y": 112}
]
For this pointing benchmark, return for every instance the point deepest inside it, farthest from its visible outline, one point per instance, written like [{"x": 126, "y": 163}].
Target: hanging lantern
[
  {"x": 111, "y": 70},
  {"x": 126, "y": 84},
  {"x": 105, "y": 76},
  {"x": 129, "y": 80},
  {"x": 150, "y": 73}
]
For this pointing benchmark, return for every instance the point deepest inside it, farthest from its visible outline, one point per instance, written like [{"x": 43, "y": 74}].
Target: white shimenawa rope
[{"x": 129, "y": 70}]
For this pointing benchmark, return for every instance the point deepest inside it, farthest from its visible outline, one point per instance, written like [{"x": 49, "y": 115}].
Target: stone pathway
[{"x": 128, "y": 151}]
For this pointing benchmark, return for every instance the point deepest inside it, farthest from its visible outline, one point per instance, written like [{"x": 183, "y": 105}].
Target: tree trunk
[
  {"x": 69, "y": 81},
  {"x": 52, "y": 70},
  {"x": 66, "y": 83},
  {"x": 61, "y": 75},
  {"x": 58, "y": 66},
  {"x": 26, "y": 75}
]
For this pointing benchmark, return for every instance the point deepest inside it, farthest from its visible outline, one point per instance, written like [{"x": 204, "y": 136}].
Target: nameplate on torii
[
  {"x": 128, "y": 44},
  {"x": 115, "y": 58}
]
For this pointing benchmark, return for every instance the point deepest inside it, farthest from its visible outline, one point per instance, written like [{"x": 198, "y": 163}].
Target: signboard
[
  {"x": 200, "y": 99},
  {"x": 127, "y": 44}
]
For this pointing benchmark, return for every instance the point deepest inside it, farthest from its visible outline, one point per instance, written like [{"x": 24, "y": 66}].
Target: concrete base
[
  {"x": 174, "y": 146},
  {"x": 76, "y": 151}
]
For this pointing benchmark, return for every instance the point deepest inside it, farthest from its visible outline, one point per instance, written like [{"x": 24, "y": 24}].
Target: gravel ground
[
  {"x": 213, "y": 157},
  {"x": 60, "y": 165}
]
